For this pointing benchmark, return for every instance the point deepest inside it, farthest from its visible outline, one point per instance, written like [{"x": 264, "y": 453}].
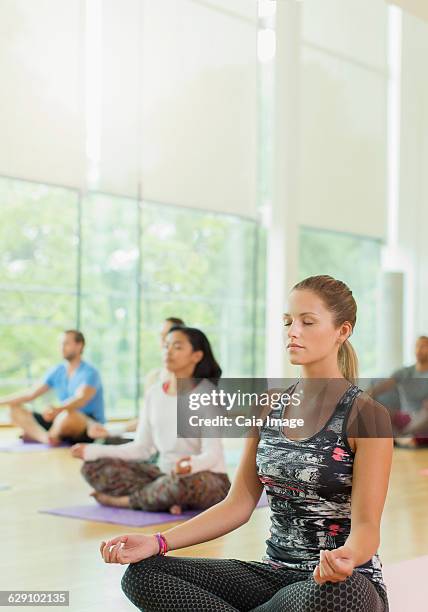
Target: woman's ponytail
[{"x": 347, "y": 361}]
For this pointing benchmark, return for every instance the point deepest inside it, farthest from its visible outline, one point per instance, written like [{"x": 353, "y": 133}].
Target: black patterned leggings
[
  {"x": 149, "y": 489},
  {"x": 182, "y": 584}
]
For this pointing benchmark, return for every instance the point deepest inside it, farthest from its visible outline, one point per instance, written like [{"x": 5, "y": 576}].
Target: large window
[
  {"x": 356, "y": 261},
  {"x": 38, "y": 277},
  {"x": 109, "y": 295},
  {"x": 203, "y": 268},
  {"x": 115, "y": 268}
]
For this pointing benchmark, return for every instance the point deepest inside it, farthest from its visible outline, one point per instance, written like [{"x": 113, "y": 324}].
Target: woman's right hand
[{"x": 129, "y": 548}]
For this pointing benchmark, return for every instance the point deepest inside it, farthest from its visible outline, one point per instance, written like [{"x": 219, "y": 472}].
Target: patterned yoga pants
[
  {"x": 172, "y": 584},
  {"x": 149, "y": 489}
]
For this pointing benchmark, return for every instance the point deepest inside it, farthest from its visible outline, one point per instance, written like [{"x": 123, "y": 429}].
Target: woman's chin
[{"x": 295, "y": 360}]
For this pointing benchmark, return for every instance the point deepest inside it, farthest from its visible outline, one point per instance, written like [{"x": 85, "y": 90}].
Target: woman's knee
[
  {"x": 353, "y": 594},
  {"x": 136, "y": 579},
  {"x": 90, "y": 468}
]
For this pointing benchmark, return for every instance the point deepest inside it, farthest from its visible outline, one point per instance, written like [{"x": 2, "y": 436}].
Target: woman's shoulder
[
  {"x": 204, "y": 385},
  {"x": 155, "y": 390},
  {"x": 369, "y": 418}
]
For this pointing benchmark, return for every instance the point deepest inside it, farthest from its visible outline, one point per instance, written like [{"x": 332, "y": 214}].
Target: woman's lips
[{"x": 294, "y": 347}]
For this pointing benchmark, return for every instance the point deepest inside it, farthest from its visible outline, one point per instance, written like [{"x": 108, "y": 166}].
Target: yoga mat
[
  {"x": 124, "y": 516},
  {"x": 406, "y": 582},
  {"x": 19, "y": 446}
]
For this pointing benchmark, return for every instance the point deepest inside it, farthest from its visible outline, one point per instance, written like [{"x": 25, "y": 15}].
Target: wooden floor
[{"x": 48, "y": 552}]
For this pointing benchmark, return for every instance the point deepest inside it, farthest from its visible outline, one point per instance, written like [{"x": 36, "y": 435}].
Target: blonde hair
[{"x": 338, "y": 298}]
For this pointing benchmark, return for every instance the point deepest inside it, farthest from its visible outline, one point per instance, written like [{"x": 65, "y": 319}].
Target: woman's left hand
[
  {"x": 183, "y": 466},
  {"x": 335, "y": 565},
  {"x": 78, "y": 450}
]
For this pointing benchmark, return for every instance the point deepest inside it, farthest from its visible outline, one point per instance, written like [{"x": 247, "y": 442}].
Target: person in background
[
  {"x": 113, "y": 433},
  {"x": 410, "y": 418},
  {"x": 79, "y": 391},
  {"x": 192, "y": 471}
]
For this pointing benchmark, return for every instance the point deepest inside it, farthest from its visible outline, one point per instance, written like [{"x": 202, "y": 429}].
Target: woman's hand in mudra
[
  {"x": 335, "y": 565},
  {"x": 183, "y": 466},
  {"x": 129, "y": 548}
]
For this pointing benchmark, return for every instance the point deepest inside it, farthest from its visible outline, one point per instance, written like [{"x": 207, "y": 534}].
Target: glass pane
[
  {"x": 109, "y": 323},
  {"x": 110, "y": 259},
  {"x": 340, "y": 255},
  {"x": 44, "y": 251},
  {"x": 199, "y": 267},
  {"x": 38, "y": 277}
]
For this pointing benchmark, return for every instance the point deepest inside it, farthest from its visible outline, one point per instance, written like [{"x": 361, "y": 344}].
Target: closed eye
[{"x": 288, "y": 323}]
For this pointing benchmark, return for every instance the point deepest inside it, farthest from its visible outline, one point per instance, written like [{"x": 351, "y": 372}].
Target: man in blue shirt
[{"x": 79, "y": 390}]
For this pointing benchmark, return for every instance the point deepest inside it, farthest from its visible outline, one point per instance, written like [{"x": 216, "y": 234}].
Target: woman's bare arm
[
  {"x": 229, "y": 514},
  {"x": 372, "y": 466}
]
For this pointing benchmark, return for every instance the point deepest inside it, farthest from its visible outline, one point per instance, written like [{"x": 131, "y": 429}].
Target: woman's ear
[
  {"x": 197, "y": 356},
  {"x": 345, "y": 331}
]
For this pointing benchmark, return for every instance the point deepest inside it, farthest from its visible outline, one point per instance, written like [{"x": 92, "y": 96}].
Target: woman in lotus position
[
  {"x": 326, "y": 491},
  {"x": 192, "y": 472}
]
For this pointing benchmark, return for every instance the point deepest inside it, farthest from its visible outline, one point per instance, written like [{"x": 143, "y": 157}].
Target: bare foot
[
  {"x": 96, "y": 430},
  {"x": 42, "y": 439},
  {"x": 175, "y": 509},
  {"x": 54, "y": 441},
  {"x": 102, "y": 498},
  {"x": 26, "y": 438},
  {"x": 110, "y": 500}
]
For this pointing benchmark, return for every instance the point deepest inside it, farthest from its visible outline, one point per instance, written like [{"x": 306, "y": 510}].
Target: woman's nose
[{"x": 292, "y": 331}]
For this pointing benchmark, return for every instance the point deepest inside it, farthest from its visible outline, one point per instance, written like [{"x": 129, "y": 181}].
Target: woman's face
[
  {"x": 178, "y": 353},
  {"x": 310, "y": 334}
]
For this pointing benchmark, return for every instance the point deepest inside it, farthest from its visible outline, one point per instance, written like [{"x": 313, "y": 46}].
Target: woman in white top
[{"x": 191, "y": 472}]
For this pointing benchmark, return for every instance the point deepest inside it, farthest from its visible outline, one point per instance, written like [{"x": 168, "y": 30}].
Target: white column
[
  {"x": 282, "y": 264},
  {"x": 390, "y": 323}
]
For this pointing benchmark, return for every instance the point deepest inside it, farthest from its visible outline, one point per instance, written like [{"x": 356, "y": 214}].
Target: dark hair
[
  {"x": 78, "y": 336},
  {"x": 176, "y": 321},
  {"x": 423, "y": 338},
  {"x": 208, "y": 366}
]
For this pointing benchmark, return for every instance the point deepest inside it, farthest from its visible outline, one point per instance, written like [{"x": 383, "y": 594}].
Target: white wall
[
  {"x": 343, "y": 135},
  {"x": 41, "y": 96},
  {"x": 140, "y": 97},
  {"x": 413, "y": 211}
]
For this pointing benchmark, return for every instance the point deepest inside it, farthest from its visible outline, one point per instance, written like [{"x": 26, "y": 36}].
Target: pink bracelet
[{"x": 163, "y": 544}]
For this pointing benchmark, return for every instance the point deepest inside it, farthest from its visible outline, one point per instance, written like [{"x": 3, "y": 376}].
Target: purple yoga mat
[
  {"x": 19, "y": 446},
  {"x": 123, "y": 516}
]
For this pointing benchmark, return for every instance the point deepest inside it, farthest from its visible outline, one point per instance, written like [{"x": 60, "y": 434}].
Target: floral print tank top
[{"x": 308, "y": 485}]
